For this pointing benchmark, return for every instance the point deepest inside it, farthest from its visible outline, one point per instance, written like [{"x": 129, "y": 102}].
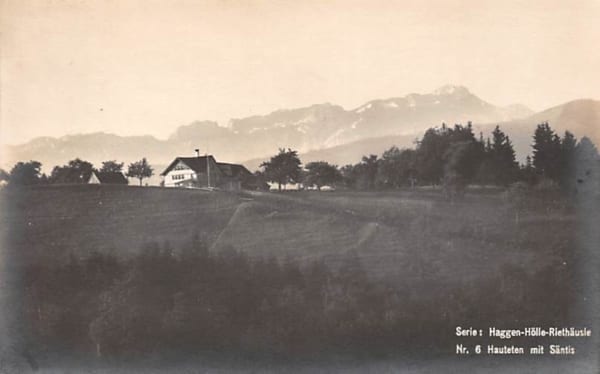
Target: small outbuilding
[{"x": 107, "y": 177}]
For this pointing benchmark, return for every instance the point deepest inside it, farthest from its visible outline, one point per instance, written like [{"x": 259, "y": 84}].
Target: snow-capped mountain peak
[{"x": 451, "y": 90}]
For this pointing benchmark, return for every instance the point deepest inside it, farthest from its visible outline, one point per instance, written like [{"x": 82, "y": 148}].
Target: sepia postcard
[{"x": 318, "y": 186}]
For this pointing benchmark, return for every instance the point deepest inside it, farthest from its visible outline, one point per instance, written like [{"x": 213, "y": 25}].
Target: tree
[
  {"x": 587, "y": 166},
  {"x": 485, "y": 174},
  {"x": 368, "y": 168},
  {"x": 398, "y": 167},
  {"x": 26, "y": 173},
  {"x": 76, "y": 171},
  {"x": 390, "y": 167},
  {"x": 430, "y": 153},
  {"x": 4, "y": 176},
  {"x": 567, "y": 161},
  {"x": 502, "y": 161},
  {"x": 140, "y": 170},
  {"x": 349, "y": 175},
  {"x": 546, "y": 152},
  {"x": 321, "y": 173},
  {"x": 111, "y": 166},
  {"x": 456, "y": 171},
  {"x": 527, "y": 172},
  {"x": 473, "y": 150},
  {"x": 433, "y": 152},
  {"x": 283, "y": 168}
]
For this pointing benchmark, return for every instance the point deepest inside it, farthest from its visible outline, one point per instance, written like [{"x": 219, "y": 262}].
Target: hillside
[
  {"x": 397, "y": 235},
  {"x": 411, "y": 263},
  {"x": 54, "y": 221},
  {"x": 350, "y": 153},
  {"x": 581, "y": 117},
  {"x": 314, "y": 127}
]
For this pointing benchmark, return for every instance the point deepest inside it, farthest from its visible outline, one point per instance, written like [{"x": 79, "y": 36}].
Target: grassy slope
[
  {"x": 403, "y": 235},
  {"x": 59, "y": 220},
  {"x": 399, "y": 235}
]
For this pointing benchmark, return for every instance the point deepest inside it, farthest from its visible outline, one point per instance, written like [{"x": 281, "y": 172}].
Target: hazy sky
[{"x": 146, "y": 67}]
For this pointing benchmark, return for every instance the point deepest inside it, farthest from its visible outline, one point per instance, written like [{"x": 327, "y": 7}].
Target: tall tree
[
  {"x": 485, "y": 174},
  {"x": 111, "y": 166},
  {"x": 140, "y": 170},
  {"x": 283, "y": 168},
  {"x": 546, "y": 152},
  {"x": 457, "y": 171},
  {"x": 527, "y": 172},
  {"x": 433, "y": 152},
  {"x": 398, "y": 167},
  {"x": 76, "y": 171},
  {"x": 25, "y": 173},
  {"x": 321, "y": 173},
  {"x": 587, "y": 166},
  {"x": 430, "y": 153},
  {"x": 369, "y": 166},
  {"x": 4, "y": 176},
  {"x": 504, "y": 166},
  {"x": 567, "y": 161},
  {"x": 349, "y": 175}
]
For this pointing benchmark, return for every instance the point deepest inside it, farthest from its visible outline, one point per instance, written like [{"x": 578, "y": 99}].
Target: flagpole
[{"x": 207, "y": 171}]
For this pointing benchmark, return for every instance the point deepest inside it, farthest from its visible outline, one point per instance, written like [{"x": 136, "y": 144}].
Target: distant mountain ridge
[
  {"x": 581, "y": 117},
  {"x": 320, "y": 129},
  {"x": 327, "y": 125}
]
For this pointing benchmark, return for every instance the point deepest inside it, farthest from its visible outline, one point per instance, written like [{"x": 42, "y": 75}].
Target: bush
[{"x": 157, "y": 303}]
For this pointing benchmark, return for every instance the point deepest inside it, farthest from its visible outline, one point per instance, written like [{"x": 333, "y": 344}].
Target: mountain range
[{"x": 319, "y": 132}]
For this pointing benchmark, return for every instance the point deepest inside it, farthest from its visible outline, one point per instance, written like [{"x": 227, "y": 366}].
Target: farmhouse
[
  {"x": 109, "y": 177},
  {"x": 205, "y": 171}
]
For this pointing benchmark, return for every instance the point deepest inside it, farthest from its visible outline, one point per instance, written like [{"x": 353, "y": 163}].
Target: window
[{"x": 180, "y": 166}]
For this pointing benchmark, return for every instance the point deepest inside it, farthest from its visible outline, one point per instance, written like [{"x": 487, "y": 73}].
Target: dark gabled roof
[
  {"x": 109, "y": 177},
  {"x": 234, "y": 170},
  {"x": 197, "y": 164}
]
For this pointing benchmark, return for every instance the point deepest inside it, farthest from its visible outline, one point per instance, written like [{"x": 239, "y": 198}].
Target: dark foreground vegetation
[
  {"x": 168, "y": 305},
  {"x": 361, "y": 275}
]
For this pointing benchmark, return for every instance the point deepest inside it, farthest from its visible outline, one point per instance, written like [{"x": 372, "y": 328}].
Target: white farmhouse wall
[
  {"x": 94, "y": 179},
  {"x": 285, "y": 187},
  {"x": 180, "y": 173}
]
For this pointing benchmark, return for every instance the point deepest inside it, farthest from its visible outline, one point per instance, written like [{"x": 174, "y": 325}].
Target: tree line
[
  {"x": 74, "y": 172},
  {"x": 452, "y": 157}
]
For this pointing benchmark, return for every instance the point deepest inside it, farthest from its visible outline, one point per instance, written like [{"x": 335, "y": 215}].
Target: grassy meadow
[
  {"x": 493, "y": 258},
  {"x": 50, "y": 222},
  {"x": 399, "y": 236},
  {"x": 396, "y": 234}
]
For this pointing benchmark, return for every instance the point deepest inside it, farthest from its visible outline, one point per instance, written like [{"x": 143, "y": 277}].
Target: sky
[{"x": 145, "y": 67}]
